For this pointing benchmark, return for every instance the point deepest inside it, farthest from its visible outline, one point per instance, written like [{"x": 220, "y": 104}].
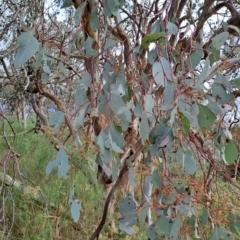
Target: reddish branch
[
  {"x": 38, "y": 111},
  {"x": 60, "y": 105}
]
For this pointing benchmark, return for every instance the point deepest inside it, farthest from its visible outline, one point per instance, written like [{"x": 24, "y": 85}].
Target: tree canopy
[{"x": 156, "y": 80}]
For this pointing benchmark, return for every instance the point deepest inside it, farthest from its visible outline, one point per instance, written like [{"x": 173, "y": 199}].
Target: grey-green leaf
[
  {"x": 158, "y": 74},
  {"x": 110, "y": 43},
  {"x": 39, "y": 59},
  {"x": 203, "y": 74},
  {"x": 195, "y": 57},
  {"x": 79, "y": 119},
  {"x": 75, "y": 210},
  {"x": 56, "y": 118},
  {"x": 221, "y": 233},
  {"x": 105, "y": 153},
  {"x": 61, "y": 162},
  {"x": 220, "y": 94},
  {"x": 204, "y": 217},
  {"x": 138, "y": 110},
  {"x": 177, "y": 224},
  {"x": 143, "y": 213},
  {"x": 79, "y": 13},
  {"x": 67, "y": 3},
  {"x": 149, "y": 103},
  {"x": 206, "y": 117},
  {"x": 168, "y": 96},
  {"x": 50, "y": 166},
  {"x": 214, "y": 53},
  {"x": 116, "y": 148},
  {"x": 151, "y": 232},
  {"x": 234, "y": 222},
  {"x": 231, "y": 152},
  {"x": 28, "y": 45},
  {"x": 155, "y": 179},
  {"x": 220, "y": 39},
  {"x": 116, "y": 102},
  {"x": 113, "y": 6},
  {"x": 46, "y": 69},
  {"x": 189, "y": 109},
  {"x": 159, "y": 132},
  {"x": 80, "y": 95},
  {"x": 190, "y": 164},
  {"x": 124, "y": 227},
  {"x": 75, "y": 206},
  {"x": 90, "y": 52},
  {"x": 44, "y": 77},
  {"x": 127, "y": 209},
  {"x": 86, "y": 81},
  {"x": 167, "y": 68},
  {"x": 164, "y": 225},
  {"x": 214, "y": 107},
  {"x": 117, "y": 137},
  {"x": 94, "y": 23},
  {"x": 63, "y": 69},
  {"x": 127, "y": 205},
  {"x": 172, "y": 28}
]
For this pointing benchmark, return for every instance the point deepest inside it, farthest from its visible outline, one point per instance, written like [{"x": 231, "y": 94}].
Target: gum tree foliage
[{"x": 96, "y": 66}]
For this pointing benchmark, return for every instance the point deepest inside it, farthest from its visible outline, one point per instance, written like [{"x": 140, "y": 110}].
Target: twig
[{"x": 60, "y": 59}]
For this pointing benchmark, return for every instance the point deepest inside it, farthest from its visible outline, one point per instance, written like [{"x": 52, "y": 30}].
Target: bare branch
[
  {"x": 42, "y": 90},
  {"x": 232, "y": 8},
  {"x": 6, "y": 28},
  {"x": 180, "y": 8},
  {"x": 126, "y": 42},
  {"x": 6, "y": 70},
  {"x": 66, "y": 63},
  {"x": 206, "y": 15},
  {"x": 38, "y": 111},
  {"x": 213, "y": 70}
]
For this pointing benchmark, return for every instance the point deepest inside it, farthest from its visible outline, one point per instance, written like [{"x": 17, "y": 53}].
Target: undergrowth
[{"x": 40, "y": 209}]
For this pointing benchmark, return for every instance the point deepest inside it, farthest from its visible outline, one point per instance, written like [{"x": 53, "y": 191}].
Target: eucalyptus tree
[{"x": 170, "y": 66}]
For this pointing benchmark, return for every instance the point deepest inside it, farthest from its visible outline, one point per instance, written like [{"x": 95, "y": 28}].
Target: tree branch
[
  {"x": 60, "y": 105},
  {"x": 126, "y": 42},
  {"x": 66, "y": 63},
  {"x": 213, "y": 70},
  {"x": 38, "y": 111},
  {"x": 180, "y": 8},
  {"x": 114, "y": 188},
  {"x": 206, "y": 15}
]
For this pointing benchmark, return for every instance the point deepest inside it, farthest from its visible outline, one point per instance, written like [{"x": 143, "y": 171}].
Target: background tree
[{"x": 101, "y": 66}]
